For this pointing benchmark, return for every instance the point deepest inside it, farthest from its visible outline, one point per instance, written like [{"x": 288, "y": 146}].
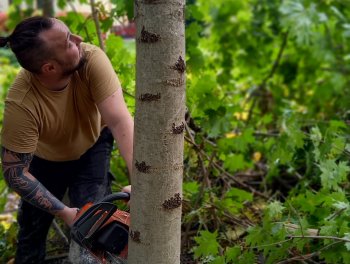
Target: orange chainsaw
[{"x": 103, "y": 229}]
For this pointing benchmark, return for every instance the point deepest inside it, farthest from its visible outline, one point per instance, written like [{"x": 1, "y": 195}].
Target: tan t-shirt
[{"x": 59, "y": 125}]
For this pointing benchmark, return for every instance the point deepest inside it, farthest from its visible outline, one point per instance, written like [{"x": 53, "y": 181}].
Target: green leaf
[
  {"x": 329, "y": 229},
  {"x": 333, "y": 174},
  {"x": 232, "y": 254},
  {"x": 235, "y": 162},
  {"x": 341, "y": 205},
  {"x": 256, "y": 235},
  {"x": 347, "y": 244},
  {"x": 124, "y": 7},
  {"x": 300, "y": 20},
  {"x": 234, "y": 200},
  {"x": 275, "y": 209},
  {"x": 316, "y": 136},
  {"x": 207, "y": 245},
  {"x": 193, "y": 11},
  {"x": 339, "y": 14},
  {"x": 291, "y": 127},
  {"x": 242, "y": 141},
  {"x": 219, "y": 260},
  {"x": 239, "y": 194},
  {"x": 61, "y": 3},
  {"x": 338, "y": 146},
  {"x": 281, "y": 153},
  {"x": 190, "y": 187},
  {"x": 106, "y": 24}
]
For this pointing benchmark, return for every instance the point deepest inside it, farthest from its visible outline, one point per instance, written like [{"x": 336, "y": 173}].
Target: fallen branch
[{"x": 222, "y": 170}]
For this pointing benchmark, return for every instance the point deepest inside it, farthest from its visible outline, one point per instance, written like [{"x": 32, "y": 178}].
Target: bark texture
[
  {"x": 48, "y": 8},
  {"x": 155, "y": 231},
  {"x": 94, "y": 13}
]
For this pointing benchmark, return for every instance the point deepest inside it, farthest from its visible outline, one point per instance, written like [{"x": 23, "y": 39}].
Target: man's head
[
  {"x": 45, "y": 45},
  {"x": 67, "y": 54}
]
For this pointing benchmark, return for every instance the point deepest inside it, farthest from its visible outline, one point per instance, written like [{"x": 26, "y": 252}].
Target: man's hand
[
  {"x": 68, "y": 215},
  {"x": 127, "y": 189}
]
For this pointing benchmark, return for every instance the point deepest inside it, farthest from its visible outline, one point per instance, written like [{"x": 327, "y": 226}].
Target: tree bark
[
  {"x": 48, "y": 8},
  {"x": 94, "y": 13},
  {"x": 155, "y": 231}
]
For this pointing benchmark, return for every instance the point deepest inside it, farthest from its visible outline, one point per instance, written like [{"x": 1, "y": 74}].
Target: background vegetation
[{"x": 266, "y": 177}]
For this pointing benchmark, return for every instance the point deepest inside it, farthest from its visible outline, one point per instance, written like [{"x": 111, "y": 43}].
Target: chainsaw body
[{"x": 103, "y": 229}]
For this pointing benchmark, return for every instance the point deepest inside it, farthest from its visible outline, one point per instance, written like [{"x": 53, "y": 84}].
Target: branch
[
  {"x": 277, "y": 61},
  {"x": 307, "y": 256},
  {"x": 206, "y": 182},
  {"x": 127, "y": 93},
  {"x": 322, "y": 237},
  {"x": 83, "y": 23},
  {"x": 262, "y": 85},
  {"x": 291, "y": 237},
  {"x": 222, "y": 170},
  {"x": 97, "y": 23}
]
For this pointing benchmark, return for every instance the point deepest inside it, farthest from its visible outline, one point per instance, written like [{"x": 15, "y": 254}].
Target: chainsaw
[{"x": 103, "y": 229}]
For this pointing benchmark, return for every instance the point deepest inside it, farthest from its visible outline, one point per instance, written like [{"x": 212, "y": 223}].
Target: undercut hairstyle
[{"x": 31, "y": 51}]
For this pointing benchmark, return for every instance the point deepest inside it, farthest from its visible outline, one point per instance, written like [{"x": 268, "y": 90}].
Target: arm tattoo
[{"x": 15, "y": 166}]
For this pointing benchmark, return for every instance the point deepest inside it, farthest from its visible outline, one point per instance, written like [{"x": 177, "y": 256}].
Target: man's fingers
[{"x": 127, "y": 189}]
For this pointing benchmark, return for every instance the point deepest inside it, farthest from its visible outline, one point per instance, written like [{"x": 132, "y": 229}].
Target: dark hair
[
  {"x": 3, "y": 41},
  {"x": 26, "y": 44}
]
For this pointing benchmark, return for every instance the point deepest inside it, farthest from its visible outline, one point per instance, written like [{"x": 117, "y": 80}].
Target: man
[{"x": 61, "y": 115}]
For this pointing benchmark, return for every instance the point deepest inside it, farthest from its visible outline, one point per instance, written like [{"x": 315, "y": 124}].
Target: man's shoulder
[
  {"x": 21, "y": 86},
  {"x": 94, "y": 59},
  {"x": 23, "y": 76}
]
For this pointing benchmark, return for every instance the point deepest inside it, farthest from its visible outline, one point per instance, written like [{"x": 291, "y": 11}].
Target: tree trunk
[
  {"x": 155, "y": 230},
  {"x": 48, "y": 8}
]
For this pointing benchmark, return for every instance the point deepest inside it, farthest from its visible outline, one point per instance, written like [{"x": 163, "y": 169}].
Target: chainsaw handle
[{"x": 116, "y": 196}]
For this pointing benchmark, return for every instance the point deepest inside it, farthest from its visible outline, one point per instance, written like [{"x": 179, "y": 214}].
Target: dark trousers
[{"x": 86, "y": 180}]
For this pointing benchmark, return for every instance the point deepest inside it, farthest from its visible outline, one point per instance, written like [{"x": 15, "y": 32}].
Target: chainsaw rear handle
[{"x": 115, "y": 196}]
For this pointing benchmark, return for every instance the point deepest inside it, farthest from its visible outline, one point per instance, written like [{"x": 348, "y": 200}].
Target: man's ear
[{"x": 48, "y": 67}]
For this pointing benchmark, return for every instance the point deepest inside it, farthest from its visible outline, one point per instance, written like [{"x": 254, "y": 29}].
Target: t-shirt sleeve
[
  {"x": 103, "y": 81},
  {"x": 19, "y": 130}
]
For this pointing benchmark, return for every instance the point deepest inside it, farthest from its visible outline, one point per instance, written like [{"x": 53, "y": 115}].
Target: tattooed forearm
[
  {"x": 13, "y": 166},
  {"x": 15, "y": 169},
  {"x": 42, "y": 198}
]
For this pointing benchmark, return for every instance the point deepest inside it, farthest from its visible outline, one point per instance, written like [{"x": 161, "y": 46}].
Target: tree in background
[
  {"x": 156, "y": 199},
  {"x": 48, "y": 8}
]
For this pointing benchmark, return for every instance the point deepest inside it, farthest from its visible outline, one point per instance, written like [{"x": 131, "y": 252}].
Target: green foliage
[
  {"x": 7, "y": 241},
  {"x": 301, "y": 20},
  {"x": 122, "y": 55},
  {"x": 266, "y": 159},
  {"x": 207, "y": 244},
  {"x": 269, "y": 77},
  {"x": 124, "y": 7}
]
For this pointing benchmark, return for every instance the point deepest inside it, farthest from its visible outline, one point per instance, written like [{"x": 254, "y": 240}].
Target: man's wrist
[{"x": 68, "y": 215}]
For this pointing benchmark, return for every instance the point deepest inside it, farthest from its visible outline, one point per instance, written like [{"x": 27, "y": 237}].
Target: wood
[{"x": 155, "y": 232}]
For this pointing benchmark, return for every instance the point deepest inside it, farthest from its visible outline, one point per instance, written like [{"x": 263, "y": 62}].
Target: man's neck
[{"x": 53, "y": 84}]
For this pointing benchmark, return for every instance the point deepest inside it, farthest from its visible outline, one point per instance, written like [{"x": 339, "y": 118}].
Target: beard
[{"x": 69, "y": 71}]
